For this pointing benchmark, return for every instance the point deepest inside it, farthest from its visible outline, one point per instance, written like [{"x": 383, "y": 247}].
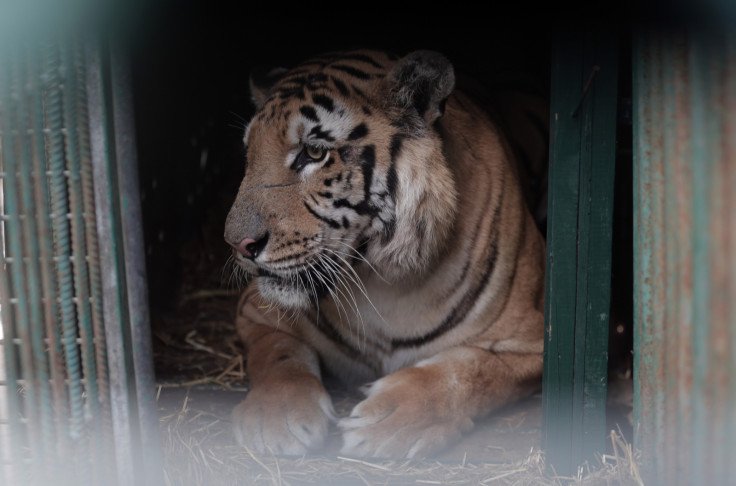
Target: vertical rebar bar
[
  {"x": 79, "y": 253},
  {"x": 43, "y": 222},
  {"x": 62, "y": 250}
]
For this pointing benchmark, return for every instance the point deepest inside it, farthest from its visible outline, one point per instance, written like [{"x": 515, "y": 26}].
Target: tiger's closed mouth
[
  {"x": 265, "y": 273},
  {"x": 305, "y": 278}
]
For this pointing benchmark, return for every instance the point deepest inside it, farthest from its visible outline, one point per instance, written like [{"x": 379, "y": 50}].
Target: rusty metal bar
[
  {"x": 39, "y": 82},
  {"x": 79, "y": 253},
  {"x": 685, "y": 254},
  {"x": 62, "y": 248},
  {"x": 103, "y": 410},
  {"x": 712, "y": 60}
]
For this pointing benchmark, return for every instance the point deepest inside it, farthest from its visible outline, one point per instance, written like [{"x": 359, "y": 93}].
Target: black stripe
[
  {"x": 289, "y": 92},
  {"x": 293, "y": 256},
  {"x": 340, "y": 86},
  {"x": 397, "y": 141},
  {"x": 294, "y": 78},
  {"x": 367, "y": 164},
  {"x": 358, "y": 132},
  {"x": 363, "y": 207},
  {"x": 392, "y": 179},
  {"x": 317, "y": 132},
  {"x": 359, "y": 92},
  {"x": 363, "y": 58},
  {"x": 331, "y": 333},
  {"x": 356, "y": 73},
  {"x": 460, "y": 311},
  {"x": 316, "y": 81},
  {"x": 389, "y": 230},
  {"x": 297, "y": 71},
  {"x": 345, "y": 152},
  {"x": 331, "y": 222},
  {"x": 324, "y": 101},
  {"x": 392, "y": 182},
  {"x": 309, "y": 113}
]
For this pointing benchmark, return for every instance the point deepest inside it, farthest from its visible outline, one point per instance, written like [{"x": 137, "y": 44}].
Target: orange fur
[{"x": 445, "y": 319}]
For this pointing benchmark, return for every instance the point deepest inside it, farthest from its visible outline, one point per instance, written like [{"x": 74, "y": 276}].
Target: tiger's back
[{"x": 386, "y": 208}]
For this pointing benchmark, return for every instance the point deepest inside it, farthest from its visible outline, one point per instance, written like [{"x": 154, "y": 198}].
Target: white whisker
[
  {"x": 311, "y": 283},
  {"x": 338, "y": 274},
  {"x": 356, "y": 254},
  {"x": 355, "y": 278},
  {"x": 328, "y": 284},
  {"x": 340, "y": 287},
  {"x": 335, "y": 269}
]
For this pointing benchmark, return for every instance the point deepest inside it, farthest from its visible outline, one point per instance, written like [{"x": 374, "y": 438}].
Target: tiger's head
[{"x": 345, "y": 165}]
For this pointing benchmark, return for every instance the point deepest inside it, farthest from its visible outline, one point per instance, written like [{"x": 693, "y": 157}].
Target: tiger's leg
[
  {"x": 287, "y": 410},
  {"x": 419, "y": 410}
]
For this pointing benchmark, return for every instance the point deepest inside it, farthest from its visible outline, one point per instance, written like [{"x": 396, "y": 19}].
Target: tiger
[{"x": 387, "y": 242}]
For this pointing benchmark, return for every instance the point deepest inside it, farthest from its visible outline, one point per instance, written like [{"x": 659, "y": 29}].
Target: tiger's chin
[{"x": 278, "y": 292}]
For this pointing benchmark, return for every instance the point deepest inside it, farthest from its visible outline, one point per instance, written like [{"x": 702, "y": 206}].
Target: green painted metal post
[{"x": 581, "y": 176}]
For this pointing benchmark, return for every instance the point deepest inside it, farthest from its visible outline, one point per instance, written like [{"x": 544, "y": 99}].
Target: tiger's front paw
[
  {"x": 284, "y": 417},
  {"x": 402, "y": 416}
]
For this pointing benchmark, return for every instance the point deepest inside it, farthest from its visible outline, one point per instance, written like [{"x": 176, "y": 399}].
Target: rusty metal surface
[{"x": 685, "y": 254}]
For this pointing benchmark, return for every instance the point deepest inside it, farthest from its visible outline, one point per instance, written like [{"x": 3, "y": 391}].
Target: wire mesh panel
[{"x": 76, "y": 390}]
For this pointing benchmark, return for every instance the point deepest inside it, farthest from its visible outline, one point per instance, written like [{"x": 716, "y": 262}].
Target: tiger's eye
[{"x": 316, "y": 153}]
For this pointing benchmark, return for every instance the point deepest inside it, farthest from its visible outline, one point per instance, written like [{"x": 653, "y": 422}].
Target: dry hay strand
[{"x": 199, "y": 449}]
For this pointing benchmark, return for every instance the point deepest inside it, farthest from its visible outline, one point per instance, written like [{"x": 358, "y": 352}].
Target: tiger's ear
[
  {"x": 262, "y": 81},
  {"x": 422, "y": 80}
]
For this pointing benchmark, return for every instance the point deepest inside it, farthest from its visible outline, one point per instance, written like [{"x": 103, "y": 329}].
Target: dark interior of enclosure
[{"x": 190, "y": 65}]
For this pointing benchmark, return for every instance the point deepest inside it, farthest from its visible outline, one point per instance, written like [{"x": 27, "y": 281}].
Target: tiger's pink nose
[
  {"x": 242, "y": 247},
  {"x": 249, "y": 247}
]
